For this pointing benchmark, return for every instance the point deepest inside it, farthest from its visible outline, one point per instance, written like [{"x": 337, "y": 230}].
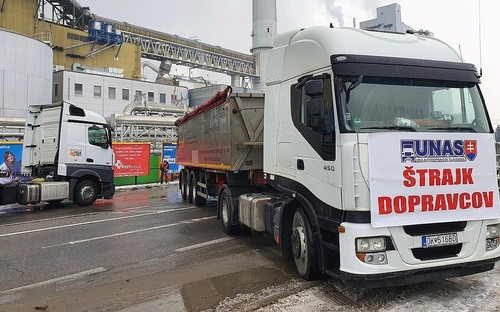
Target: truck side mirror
[{"x": 315, "y": 106}]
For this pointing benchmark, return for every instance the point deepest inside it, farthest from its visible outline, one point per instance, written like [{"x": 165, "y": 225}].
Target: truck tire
[
  {"x": 226, "y": 211},
  {"x": 303, "y": 249},
  {"x": 196, "y": 199},
  {"x": 189, "y": 187},
  {"x": 183, "y": 184},
  {"x": 200, "y": 200},
  {"x": 85, "y": 193}
]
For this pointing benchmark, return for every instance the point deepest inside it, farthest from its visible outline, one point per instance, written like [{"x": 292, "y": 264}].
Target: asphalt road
[
  {"x": 146, "y": 250},
  {"x": 124, "y": 252}
]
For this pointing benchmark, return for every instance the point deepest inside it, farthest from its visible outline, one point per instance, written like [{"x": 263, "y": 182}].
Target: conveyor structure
[{"x": 156, "y": 45}]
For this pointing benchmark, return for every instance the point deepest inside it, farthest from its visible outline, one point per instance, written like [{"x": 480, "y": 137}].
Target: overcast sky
[{"x": 228, "y": 23}]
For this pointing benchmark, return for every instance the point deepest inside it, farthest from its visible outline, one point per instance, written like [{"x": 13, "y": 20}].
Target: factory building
[{"x": 108, "y": 95}]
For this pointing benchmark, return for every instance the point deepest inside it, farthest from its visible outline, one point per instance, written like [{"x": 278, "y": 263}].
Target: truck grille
[
  {"x": 436, "y": 228},
  {"x": 437, "y": 252}
]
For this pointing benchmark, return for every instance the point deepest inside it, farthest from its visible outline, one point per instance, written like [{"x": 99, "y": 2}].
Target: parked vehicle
[
  {"x": 370, "y": 157},
  {"x": 67, "y": 154}
]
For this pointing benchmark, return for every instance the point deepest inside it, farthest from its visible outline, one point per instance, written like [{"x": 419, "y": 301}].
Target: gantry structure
[{"x": 154, "y": 45}]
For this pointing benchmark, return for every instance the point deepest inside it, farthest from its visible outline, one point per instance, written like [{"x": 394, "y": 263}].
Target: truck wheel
[
  {"x": 189, "y": 186},
  {"x": 200, "y": 200},
  {"x": 226, "y": 212},
  {"x": 183, "y": 185},
  {"x": 303, "y": 248},
  {"x": 196, "y": 199},
  {"x": 85, "y": 193}
]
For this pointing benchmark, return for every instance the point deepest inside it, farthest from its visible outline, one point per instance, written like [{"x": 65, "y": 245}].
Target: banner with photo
[
  {"x": 12, "y": 164},
  {"x": 169, "y": 150}
]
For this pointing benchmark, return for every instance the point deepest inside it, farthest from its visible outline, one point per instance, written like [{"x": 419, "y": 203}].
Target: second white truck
[
  {"x": 370, "y": 157},
  {"x": 67, "y": 154}
]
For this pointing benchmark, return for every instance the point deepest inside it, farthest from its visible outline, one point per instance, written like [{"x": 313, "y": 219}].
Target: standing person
[{"x": 164, "y": 172}]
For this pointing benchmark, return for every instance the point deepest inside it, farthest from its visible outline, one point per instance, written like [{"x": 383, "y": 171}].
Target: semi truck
[
  {"x": 67, "y": 154},
  {"x": 369, "y": 157}
]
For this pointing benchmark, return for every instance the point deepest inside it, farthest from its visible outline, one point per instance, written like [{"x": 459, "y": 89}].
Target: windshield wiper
[
  {"x": 403, "y": 128},
  {"x": 454, "y": 129},
  {"x": 353, "y": 85}
]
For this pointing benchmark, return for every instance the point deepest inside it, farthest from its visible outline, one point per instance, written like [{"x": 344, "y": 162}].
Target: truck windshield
[{"x": 374, "y": 104}]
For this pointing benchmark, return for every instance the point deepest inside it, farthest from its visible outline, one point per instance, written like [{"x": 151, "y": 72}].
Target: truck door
[
  {"x": 86, "y": 144},
  {"x": 76, "y": 147},
  {"x": 98, "y": 143},
  {"x": 313, "y": 117}
]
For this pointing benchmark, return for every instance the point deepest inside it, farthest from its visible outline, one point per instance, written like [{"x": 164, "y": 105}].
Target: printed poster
[
  {"x": 169, "y": 150},
  {"x": 14, "y": 148},
  {"x": 131, "y": 159},
  {"x": 418, "y": 178}
]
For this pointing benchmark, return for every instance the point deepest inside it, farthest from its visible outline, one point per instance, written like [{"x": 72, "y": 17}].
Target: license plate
[{"x": 439, "y": 240}]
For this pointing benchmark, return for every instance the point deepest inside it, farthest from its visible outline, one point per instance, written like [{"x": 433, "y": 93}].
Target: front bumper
[
  {"x": 108, "y": 190},
  {"x": 415, "y": 276},
  {"x": 404, "y": 266}
]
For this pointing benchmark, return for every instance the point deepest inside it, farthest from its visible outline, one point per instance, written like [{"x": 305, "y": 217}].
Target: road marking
[
  {"x": 50, "y": 219},
  {"x": 205, "y": 244},
  {"x": 93, "y": 222},
  {"x": 56, "y": 280},
  {"x": 130, "y": 232},
  {"x": 122, "y": 210}
]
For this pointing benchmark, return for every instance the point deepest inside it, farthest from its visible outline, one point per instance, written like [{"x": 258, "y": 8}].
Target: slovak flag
[{"x": 470, "y": 147}]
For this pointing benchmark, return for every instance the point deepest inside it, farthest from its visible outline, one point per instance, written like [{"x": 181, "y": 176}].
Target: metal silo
[{"x": 25, "y": 74}]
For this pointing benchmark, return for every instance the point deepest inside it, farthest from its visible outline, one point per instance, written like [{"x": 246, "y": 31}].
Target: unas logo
[{"x": 438, "y": 150}]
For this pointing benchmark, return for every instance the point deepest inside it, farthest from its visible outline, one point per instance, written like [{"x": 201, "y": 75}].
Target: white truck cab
[
  {"x": 383, "y": 144},
  {"x": 70, "y": 149}
]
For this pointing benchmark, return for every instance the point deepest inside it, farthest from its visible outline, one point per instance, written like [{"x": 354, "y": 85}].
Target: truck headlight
[
  {"x": 492, "y": 236},
  {"x": 371, "y": 250},
  {"x": 370, "y": 244},
  {"x": 493, "y": 231}
]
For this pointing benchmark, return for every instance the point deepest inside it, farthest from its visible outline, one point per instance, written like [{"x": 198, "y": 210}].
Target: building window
[
  {"x": 163, "y": 98},
  {"x": 56, "y": 89},
  {"x": 112, "y": 93},
  {"x": 78, "y": 89},
  {"x": 151, "y": 97},
  {"x": 97, "y": 91},
  {"x": 137, "y": 97},
  {"x": 126, "y": 94}
]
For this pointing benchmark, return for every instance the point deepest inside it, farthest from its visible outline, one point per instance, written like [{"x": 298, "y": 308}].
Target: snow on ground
[{"x": 479, "y": 292}]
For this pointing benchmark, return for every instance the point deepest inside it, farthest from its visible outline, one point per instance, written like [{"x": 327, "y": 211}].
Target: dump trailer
[
  {"x": 67, "y": 154},
  {"x": 370, "y": 157},
  {"x": 221, "y": 137}
]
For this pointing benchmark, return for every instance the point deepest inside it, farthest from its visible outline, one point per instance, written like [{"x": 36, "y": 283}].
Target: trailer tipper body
[{"x": 370, "y": 157}]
